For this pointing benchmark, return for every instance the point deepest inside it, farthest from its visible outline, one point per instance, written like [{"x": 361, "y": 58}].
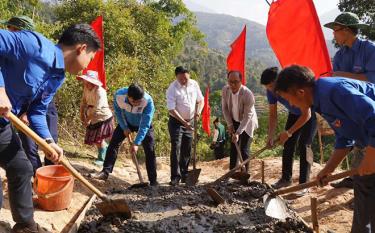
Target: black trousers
[
  {"x": 31, "y": 148},
  {"x": 181, "y": 143},
  {"x": 219, "y": 150},
  {"x": 244, "y": 143},
  {"x": 148, "y": 146},
  {"x": 18, "y": 172},
  {"x": 302, "y": 138},
  {"x": 364, "y": 204}
]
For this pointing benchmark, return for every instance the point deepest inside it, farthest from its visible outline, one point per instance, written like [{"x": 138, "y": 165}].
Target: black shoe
[
  {"x": 154, "y": 183},
  {"x": 183, "y": 179},
  {"x": 22, "y": 228},
  {"x": 174, "y": 181},
  {"x": 344, "y": 183},
  {"x": 102, "y": 175},
  {"x": 281, "y": 183}
]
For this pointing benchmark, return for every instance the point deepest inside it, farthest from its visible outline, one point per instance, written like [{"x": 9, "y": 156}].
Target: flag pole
[{"x": 269, "y": 4}]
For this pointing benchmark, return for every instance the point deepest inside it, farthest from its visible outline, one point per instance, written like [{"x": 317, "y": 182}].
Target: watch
[
  {"x": 49, "y": 140},
  {"x": 289, "y": 134}
]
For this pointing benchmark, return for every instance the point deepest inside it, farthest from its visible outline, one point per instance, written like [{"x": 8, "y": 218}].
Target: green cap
[
  {"x": 20, "y": 22},
  {"x": 347, "y": 19}
]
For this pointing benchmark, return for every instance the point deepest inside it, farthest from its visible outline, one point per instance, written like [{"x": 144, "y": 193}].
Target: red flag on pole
[
  {"x": 206, "y": 113},
  {"x": 97, "y": 64},
  {"x": 236, "y": 58},
  {"x": 295, "y": 35}
]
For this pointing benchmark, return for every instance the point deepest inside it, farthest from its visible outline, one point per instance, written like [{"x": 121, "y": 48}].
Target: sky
[{"x": 255, "y": 10}]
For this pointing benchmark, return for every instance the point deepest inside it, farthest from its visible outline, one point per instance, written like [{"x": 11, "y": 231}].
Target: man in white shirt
[
  {"x": 239, "y": 112},
  {"x": 183, "y": 95}
]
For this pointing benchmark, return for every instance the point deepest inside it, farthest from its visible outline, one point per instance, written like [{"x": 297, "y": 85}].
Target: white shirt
[
  {"x": 235, "y": 110},
  {"x": 216, "y": 135},
  {"x": 184, "y": 98}
]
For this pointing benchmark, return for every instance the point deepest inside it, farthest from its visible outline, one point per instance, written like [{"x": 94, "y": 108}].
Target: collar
[
  {"x": 180, "y": 86},
  {"x": 59, "y": 58}
]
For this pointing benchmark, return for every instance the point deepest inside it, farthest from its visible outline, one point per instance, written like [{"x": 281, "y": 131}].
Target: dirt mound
[{"x": 190, "y": 209}]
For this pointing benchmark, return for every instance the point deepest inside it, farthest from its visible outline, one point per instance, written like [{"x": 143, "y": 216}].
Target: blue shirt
[
  {"x": 32, "y": 69},
  {"x": 139, "y": 116},
  {"x": 359, "y": 59},
  {"x": 349, "y": 107},
  {"x": 274, "y": 98}
]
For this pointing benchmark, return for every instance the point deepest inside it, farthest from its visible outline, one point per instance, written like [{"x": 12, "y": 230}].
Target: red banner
[
  {"x": 236, "y": 58},
  {"x": 295, "y": 35},
  {"x": 97, "y": 64},
  {"x": 206, "y": 113}
]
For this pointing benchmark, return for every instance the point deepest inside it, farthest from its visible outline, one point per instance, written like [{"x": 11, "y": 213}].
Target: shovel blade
[
  {"x": 192, "y": 177},
  {"x": 275, "y": 207},
  {"x": 215, "y": 196},
  {"x": 139, "y": 185},
  {"x": 240, "y": 175},
  {"x": 114, "y": 205}
]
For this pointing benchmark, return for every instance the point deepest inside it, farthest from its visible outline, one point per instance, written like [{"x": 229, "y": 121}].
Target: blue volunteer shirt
[
  {"x": 349, "y": 107},
  {"x": 359, "y": 59},
  {"x": 32, "y": 69},
  {"x": 138, "y": 116},
  {"x": 274, "y": 98}
]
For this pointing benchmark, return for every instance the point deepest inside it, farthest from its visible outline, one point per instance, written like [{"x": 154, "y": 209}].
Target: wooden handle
[
  {"x": 195, "y": 136},
  {"x": 315, "y": 182},
  {"x": 239, "y": 156},
  {"x": 314, "y": 214},
  {"x": 46, "y": 147},
  {"x": 135, "y": 160}
]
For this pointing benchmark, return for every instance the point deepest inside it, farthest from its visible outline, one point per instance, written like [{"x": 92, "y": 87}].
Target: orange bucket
[{"x": 54, "y": 187}]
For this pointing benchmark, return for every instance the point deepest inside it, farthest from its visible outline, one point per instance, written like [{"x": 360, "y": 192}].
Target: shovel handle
[
  {"x": 195, "y": 137},
  {"x": 135, "y": 160},
  {"x": 46, "y": 147},
  {"x": 315, "y": 182}
]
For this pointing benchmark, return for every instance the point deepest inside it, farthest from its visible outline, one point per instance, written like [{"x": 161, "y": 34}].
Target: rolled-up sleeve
[{"x": 171, "y": 98}]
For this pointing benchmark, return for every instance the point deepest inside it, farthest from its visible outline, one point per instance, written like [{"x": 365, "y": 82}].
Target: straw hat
[
  {"x": 92, "y": 77},
  {"x": 21, "y": 22}
]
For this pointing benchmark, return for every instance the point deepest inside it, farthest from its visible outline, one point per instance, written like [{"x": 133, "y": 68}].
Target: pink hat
[{"x": 92, "y": 77}]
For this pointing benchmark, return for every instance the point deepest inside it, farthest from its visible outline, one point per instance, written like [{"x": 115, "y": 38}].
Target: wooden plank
[
  {"x": 73, "y": 225},
  {"x": 314, "y": 214}
]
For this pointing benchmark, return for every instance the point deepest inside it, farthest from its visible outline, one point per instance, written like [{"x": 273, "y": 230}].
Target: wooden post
[
  {"x": 314, "y": 214},
  {"x": 262, "y": 170},
  {"x": 320, "y": 147}
]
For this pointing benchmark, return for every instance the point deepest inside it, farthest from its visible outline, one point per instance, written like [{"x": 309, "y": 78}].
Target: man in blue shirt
[
  {"x": 32, "y": 69},
  {"x": 134, "y": 110},
  {"x": 300, "y": 130},
  {"x": 355, "y": 59},
  {"x": 349, "y": 107}
]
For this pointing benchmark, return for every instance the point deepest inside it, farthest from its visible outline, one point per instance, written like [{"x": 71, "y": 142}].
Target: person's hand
[
  {"x": 283, "y": 137},
  {"x": 188, "y": 126},
  {"x": 235, "y": 138},
  {"x": 197, "y": 115},
  {"x": 5, "y": 105},
  {"x": 133, "y": 149},
  {"x": 367, "y": 166},
  {"x": 270, "y": 142},
  {"x": 57, "y": 155},
  {"x": 24, "y": 119},
  {"x": 322, "y": 175},
  {"x": 87, "y": 123},
  {"x": 127, "y": 132}
]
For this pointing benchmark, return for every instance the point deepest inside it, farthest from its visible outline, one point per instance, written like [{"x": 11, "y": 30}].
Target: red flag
[
  {"x": 236, "y": 58},
  {"x": 295, "y": 35},
  {"x": 206, "y": 113},
  {"x": 97, "y": 64}
]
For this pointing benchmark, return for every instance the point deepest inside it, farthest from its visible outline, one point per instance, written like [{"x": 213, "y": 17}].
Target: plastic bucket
[{"x": 54, "y": 187}]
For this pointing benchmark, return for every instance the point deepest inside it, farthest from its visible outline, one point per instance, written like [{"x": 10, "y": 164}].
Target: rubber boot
[{"x": 101, "y": 156}]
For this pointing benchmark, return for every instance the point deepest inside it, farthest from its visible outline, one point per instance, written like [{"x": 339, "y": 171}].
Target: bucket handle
[{"x": 49, "y": 195}]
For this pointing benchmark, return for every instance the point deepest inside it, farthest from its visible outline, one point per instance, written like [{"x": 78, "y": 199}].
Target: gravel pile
[{"x": 190, "y": 209}]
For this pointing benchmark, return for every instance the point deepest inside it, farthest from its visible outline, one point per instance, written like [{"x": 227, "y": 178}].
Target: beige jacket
[{"x": 247, "y": 114}]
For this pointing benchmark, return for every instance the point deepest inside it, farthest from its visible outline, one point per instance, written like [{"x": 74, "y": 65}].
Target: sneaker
[
  {"x": 344, "y": 183},
  {"x": 281, "y": 183},
  {"x": 302, "y": 193},
  {"x": 154, "y": 183},
  {"x": 22, "y": 228},
  {"x": 99, "y": 163},
  {"x": 174, "y": 182},
  {"x": 102, "y": 175}
]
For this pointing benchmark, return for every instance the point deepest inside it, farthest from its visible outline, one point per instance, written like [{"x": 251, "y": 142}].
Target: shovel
[
  {"x": 141, "y": 183},
  {"x": 241, "y": 175},
  {"x": 216, "y": 197},
  {"x": 193, "y": 175},
  {"x": 275, "y": 206},
  {"x": 110, "y": 204}
]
